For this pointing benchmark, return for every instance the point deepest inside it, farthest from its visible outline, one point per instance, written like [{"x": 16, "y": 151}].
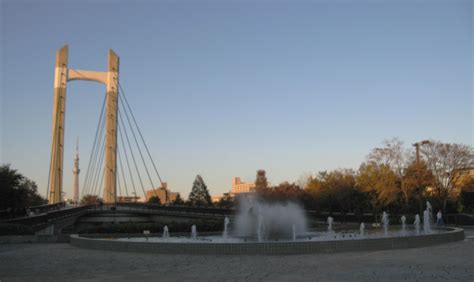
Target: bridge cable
[
  {"x": 127, "y": 161},
  {"x": 122, "y": 173},
  {"x": 139, "y": 131},
  {"x": 95, "y": 168},
  {"x": 94, "y": 145},
  {"x": 131, "y": 152},
  {"x": 99, "y": 171},
  {"x": 139, "y": 149},
  {"x": 119, "y": 184},
  {"x": 119, "y": 194}
]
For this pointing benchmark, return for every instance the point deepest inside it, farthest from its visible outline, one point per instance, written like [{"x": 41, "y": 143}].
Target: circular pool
[{"x": 310, "y": 242}]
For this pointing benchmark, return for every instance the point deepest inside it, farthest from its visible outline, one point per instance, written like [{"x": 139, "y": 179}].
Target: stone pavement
[{"x": 60, "y": 262}]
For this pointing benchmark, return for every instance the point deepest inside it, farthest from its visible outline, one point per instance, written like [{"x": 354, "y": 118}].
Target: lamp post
[{"x": 417, "y": 146}]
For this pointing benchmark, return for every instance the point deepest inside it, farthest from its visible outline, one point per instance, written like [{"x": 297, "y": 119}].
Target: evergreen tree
[
  {"x": 261, "y": 180},
  {"x": 199, "y": 195}
]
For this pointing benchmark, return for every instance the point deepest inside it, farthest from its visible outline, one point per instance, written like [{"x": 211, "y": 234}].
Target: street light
[{"x": 417, "y": 146}]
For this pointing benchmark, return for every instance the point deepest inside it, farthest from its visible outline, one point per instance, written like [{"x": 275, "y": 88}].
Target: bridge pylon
[{"x": 64, "y": 74}]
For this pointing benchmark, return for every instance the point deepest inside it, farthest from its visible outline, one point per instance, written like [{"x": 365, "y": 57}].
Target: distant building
[
  {"x": 239, "y": 187},
  {"x": 165, "y": 195},
  {"x": 128, "y": 199},
  {"x": 461, "y": 176}
]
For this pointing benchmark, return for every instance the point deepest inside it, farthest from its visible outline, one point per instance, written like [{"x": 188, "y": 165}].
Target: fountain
[
  {"x": 193, "y": 232},
  {"x": 426, "y": 221},
  {"x": 166, "y": 233},
  {"x": 362, "y": 229},
  {"x": 417, "y": 224},
  {"x": 226, "y": 222},
  {"x": 429, "y": 207},
  {"x": 262, "y": 228},
  {"x": 385, "y": 222},
  {"x": 294, "y": 232},
  {"x": 330, "y": 222},
  {"x": 260, "y": 221},
  {"x": 403, "y": 219}
]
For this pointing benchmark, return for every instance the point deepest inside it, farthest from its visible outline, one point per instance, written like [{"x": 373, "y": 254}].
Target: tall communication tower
[{"x": 76, "y": 171}]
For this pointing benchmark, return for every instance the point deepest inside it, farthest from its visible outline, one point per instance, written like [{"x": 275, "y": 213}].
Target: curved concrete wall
[{"x": 271, "y": 248}]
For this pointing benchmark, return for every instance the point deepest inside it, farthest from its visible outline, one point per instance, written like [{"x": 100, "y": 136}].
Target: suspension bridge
[{"x": 120, "y": 162}]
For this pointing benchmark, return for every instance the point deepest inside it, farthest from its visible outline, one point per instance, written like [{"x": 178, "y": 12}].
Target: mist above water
[{"x": 258, "y": 219}]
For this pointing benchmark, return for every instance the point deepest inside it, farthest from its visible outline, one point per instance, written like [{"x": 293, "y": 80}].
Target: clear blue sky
[{"x": 223, "y": 88}]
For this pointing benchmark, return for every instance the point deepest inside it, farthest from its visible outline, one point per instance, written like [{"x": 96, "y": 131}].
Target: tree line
[
  {"x": 391, "y": 178},
  {"x": 17, "y": 192}
]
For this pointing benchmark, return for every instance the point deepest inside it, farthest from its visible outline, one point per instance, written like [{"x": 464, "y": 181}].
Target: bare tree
[
  {"x": 444, "y": 159},
  {"x": 395, "y": 156},
  {"x": 304, "y": 180}
]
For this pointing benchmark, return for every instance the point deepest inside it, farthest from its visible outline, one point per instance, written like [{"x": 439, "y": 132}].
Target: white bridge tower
[{"x": 75, "y": 172}]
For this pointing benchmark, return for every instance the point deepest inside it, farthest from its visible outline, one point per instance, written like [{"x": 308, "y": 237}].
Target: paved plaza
[{"x": 61, "y": 262}]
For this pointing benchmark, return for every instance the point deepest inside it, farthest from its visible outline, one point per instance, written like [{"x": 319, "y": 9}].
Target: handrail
[{"x": 29, "y": 211}]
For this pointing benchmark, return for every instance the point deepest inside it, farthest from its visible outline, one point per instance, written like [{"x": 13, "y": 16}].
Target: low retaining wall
[
  {"x": 20, "y": 239},
  {"x": 271, "y": 248}
]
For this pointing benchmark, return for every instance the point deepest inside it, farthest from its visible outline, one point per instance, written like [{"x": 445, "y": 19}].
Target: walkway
[{"x": 60, "y": 262}]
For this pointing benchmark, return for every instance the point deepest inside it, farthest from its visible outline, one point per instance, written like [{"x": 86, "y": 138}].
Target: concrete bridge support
[{"x": 63, "y": 74}]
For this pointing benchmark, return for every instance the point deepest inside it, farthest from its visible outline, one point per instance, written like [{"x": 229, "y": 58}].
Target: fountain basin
[{"x": 197, "y": 247}]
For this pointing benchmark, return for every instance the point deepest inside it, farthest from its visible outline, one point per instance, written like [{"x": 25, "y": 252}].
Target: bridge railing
[
  {"x": 178, "y": 208},
  {"x": 33, "y": 210},
  {"x": 38, "y": 221}
]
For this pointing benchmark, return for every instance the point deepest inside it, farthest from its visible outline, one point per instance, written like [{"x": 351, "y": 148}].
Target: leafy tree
[
  {"x": 199, "y": 195},
  {"x": 154, "y": 200},
  {"x": 333, "y": 191},
  {"x": 283, "y": 192},
  {"x": 468, "y": 185},
  {"x": 380, "y": 182},
  {"x": 304, "y": 180},
  {"x": 227, "y": 201},
  {"x": 261, "y": 180},
  {"x": 466, "y": 197},
  {"x": 178, "y": 200},
  {"x": 90, "y": 200},
  {"x": 341, "y": 185},
  {"x": 314, "y": 183},
  {"x": 396, "y": 157},
  {"x": 312, "y": 191},
  {"x": 444, "y": 160},
  {"x": 417, "y": 177},
  {"x": 17, "y": 191}
]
